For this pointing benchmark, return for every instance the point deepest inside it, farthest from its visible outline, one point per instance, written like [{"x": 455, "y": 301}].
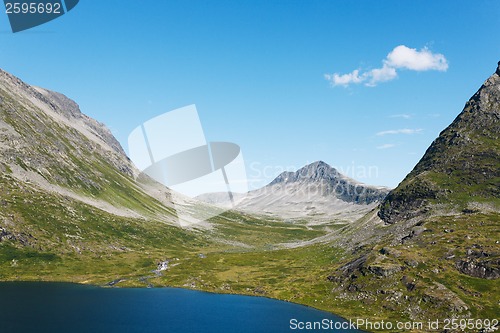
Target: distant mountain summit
[
  {"x": 461, "y": 168},
  {"x": 315, "y": 171},
  {"x": 316, "y": 192},
  {"x": 336, "y": 184}
]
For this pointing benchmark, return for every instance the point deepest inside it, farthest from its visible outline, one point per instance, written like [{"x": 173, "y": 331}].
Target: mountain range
[
  {"x": 74, "y": 208},
  {"x": 316, "y": 192}
]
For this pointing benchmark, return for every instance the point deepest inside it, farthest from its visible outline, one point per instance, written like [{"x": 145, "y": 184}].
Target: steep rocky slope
[
  {"x": 435, "y": 251},
  {"x": 65, "y": 182},
  {"x": 460, "y": 171},
  {"x": 47, "y": 143}
]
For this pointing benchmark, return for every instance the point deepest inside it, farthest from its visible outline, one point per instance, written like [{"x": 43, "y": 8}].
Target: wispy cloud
[
  {"x": 402, "y": 115},
  {"x": 386, "y": 73},
  {"x": 400, "y": 131},
  {"x": 386, "y": 146},
  {"x": 401, "y": 57}
]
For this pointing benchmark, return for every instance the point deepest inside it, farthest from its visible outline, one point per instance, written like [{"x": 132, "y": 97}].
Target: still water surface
[{"x": 64, "y": 307}]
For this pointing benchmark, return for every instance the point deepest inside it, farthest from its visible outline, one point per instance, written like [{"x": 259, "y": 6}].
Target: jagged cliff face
[{"x": 461, "y": 168}]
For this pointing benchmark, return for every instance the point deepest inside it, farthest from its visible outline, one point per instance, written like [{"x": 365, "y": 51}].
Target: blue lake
[{"x": 63, "y": 307}]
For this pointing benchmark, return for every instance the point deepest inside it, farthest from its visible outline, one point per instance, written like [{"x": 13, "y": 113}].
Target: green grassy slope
[{"x": 437, "y": 257}]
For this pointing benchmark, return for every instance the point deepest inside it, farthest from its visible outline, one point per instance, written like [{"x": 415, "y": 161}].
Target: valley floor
[{"x": 402, "y": 283}]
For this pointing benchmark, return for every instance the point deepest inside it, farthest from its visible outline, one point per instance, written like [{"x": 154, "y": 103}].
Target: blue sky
[{"x": 262, "y": 73}]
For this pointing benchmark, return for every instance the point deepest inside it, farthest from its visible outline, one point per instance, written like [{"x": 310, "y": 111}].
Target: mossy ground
[{"x": 56, "y": 238}]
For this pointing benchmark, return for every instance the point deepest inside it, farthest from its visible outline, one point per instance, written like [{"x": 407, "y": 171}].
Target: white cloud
[
  {"x": 345, "y": 79},
  {"x": 386, "y": 146},
  {"x": 423, "y": 60},
  {"x": 400, "y": 131},
  {"x": 401, "y": 57},
  {"x": 386, "y": 73}
]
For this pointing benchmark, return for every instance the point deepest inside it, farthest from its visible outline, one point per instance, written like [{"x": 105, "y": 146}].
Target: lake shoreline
[
  {"x": 115, "y": 285},
  {"x": 203, "y": 308}
]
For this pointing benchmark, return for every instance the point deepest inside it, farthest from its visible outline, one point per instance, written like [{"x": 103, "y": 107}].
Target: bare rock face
[
  {"x": 336, "y": 184},
  {"x": 317, "y": 192},
  {"x": 487, "y": 269},
  {"x": 479, "y": 263},
  {"x": 70, "y": 109},
  {"x": 462, "y": 164}
]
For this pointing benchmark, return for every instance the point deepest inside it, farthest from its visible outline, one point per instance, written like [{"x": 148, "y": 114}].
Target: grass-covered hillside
[{"x": 72, "y": 210}]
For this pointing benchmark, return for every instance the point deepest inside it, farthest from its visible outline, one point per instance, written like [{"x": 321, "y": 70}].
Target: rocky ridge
[
  {"x": 461, "y": 168},
  {"x": 46, "y": 142},
  {"x": 432, "y": 250}
]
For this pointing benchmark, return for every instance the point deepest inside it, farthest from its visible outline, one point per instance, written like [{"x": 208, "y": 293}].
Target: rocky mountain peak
[
  {"x": 321, "y": 175},
  {"x": 318, "y": 168},
  {"x": 316, "y": 191},
  {"x": 310, "y": 173},
  {"x": 462, "y": 165},
  {"x": 318, "y": 164}
]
